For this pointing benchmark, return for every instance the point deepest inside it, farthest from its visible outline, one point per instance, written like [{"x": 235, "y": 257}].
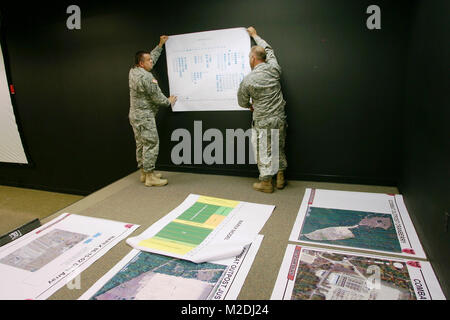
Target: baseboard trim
[
  {"x": 292, "y": 175},
  {"x": 47, "y": 188}
]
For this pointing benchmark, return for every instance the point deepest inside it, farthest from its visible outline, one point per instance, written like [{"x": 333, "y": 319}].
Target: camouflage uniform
[
  {"x": 263, "y": 86},
  {"x": 145, "y": 99}
]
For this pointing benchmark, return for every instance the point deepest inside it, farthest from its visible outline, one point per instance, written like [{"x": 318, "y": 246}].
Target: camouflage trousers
[
  {"x": 268, "y": 141},
  {"x": 147, "y": 142}
]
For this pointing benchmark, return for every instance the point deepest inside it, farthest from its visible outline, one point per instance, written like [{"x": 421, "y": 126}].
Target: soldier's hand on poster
[
  {"x": 251, "y": 31},
  {"x": 172, "y": 100},
  {"x": 251, "y": 108},
  {"x": 162, "y": 40}
]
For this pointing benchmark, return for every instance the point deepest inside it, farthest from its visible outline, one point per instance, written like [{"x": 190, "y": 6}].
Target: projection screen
[{"x": 11, "y": 148}]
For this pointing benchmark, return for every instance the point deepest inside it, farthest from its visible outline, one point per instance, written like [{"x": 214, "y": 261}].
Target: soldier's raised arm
[
  {"x": 156, "y": 52},
  {"x": 270, "y": 55}
]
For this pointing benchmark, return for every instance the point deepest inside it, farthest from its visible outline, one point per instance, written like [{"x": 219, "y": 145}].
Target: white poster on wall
[
  {"x": 11, "y": 148},
  {"x": 206, "y": 68}
]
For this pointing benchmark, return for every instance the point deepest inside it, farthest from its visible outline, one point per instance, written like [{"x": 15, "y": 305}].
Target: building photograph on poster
[{"x": 309, "y": 273}]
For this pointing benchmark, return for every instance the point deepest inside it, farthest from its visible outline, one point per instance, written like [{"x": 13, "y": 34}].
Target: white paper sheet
[
  {"x": 41, "y": 262},
  {"x": 206, "y": 68},
  {"x": 11, "y": 148},
  {"x": 357, "y": 220},
  {"x": 312, "y": 273},
  {"x": 142, "y": 275},
  {"x": 204, "y": 229}
]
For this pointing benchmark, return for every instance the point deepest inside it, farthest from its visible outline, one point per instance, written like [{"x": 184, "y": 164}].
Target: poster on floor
[
  {"x": 204, "y": 228},
  {"x": 309, "y": 273},
  {"x": 363, "y": 221},
  {"x": 41, "y": 262},
  {"x": 206, "y": 68},
  {"x": 143, "y": 275}
]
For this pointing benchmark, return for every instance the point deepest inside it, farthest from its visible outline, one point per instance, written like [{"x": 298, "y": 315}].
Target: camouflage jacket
[
  {"x": 145, "y": 95},
  {"x": 263, "y": 86}
]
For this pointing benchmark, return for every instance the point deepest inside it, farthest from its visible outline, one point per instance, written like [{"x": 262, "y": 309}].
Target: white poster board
[
  {"x": 41, "y": 262},
  {"x": 11, "y": 148},
  {"x": 142, "y": 275},
  {"x": 361, "y": 221},
  {"x": 309, "y": 273},
  {"x": 204, "y": 228},
  {"x": 206, "y": 68}
]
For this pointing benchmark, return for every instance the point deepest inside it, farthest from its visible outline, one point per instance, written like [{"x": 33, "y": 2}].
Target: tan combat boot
[
  {"x": 280, "y": 180},
  {"x": 151, "y": 179},
  {"x": 263, "y": 186},
  {"x": 143, "y": 175}
]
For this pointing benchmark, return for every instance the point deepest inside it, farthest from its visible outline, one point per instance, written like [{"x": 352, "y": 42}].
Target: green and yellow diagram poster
[
  {"x": 192, "y": 227},
  {"x": 204, "y": 228}
]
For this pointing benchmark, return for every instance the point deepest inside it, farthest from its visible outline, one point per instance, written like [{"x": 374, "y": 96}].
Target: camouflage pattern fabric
[
  {"x": 261, "y": 89},
  {"x": 145, "y": 99},
  {"x": 268, "y": 134}
]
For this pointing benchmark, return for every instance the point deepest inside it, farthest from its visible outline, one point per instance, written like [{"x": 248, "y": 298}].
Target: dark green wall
[
  {"x": 341, "y": 81},
  {"x": 426, "y": 141}
]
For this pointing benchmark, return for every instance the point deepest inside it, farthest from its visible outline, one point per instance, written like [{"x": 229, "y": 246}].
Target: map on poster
[
  {"x": 149, "y": 276},
  {"x": 357, "y": 220},
  {"x": 206, "y": 68},
  {"x": 41, "y": 262},
  {"x": 204, "y": 229},
  {"x": 43, "y": 250},
  {"x": 320, "y": 274}
]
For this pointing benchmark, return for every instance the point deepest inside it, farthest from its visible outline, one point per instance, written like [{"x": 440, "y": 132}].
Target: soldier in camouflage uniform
[
  {"x": 145, "y": 99},
  {"x": 262, "y": 86}
]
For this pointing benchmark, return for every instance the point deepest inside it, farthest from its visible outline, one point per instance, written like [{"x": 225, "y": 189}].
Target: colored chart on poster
[
  {"x": 192, "y": 227},
  {"x": 204, "y": 228}
]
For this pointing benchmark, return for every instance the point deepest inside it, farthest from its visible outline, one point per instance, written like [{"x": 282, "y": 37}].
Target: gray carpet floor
[{"x": 19, "y": 206}]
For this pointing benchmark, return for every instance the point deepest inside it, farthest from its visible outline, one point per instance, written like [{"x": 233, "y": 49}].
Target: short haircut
[
  {"x": 139, "y": 56},
  {"x": 259, "y": 53}
]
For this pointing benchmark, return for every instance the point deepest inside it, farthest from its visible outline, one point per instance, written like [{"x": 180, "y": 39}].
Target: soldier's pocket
[{"x": 149, "y": 131}]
